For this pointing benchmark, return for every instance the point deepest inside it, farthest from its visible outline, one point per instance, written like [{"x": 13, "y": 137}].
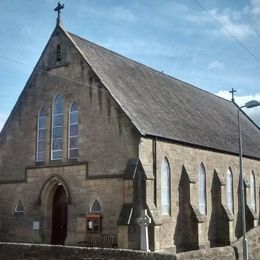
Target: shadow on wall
[
  {"x": 249, "y": 216},
  {"x": 219, "y": 224},
  {"x": 239, "y": 231},
  {"x": 186, "y": 232}
]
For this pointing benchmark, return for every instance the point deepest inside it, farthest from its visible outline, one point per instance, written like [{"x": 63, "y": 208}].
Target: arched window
[
  {"x": 252, "y": 192},
  {"x": 19, "y": 208},
  {"x": 202, "y": 189},
  {"x": 165, "y": 187},
  {"x": 230, "y": 191},
  {"x": 95, "y": 207},
  {"x": 41, "y": 136},
  {"x": 94, "y": 219},
  {"x": 57, "y": 128},
  {"x": 73, "y": 131},
  {"x": 58, "y": 54}
]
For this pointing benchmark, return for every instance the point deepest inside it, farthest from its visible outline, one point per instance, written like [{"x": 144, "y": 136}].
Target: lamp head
[{"x": 252, "y": 103}]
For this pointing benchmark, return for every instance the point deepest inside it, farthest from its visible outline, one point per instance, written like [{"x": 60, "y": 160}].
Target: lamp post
[{"x": 250, "y": 104}]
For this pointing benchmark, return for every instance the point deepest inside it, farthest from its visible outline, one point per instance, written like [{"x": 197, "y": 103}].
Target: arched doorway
[{"x": 59, "y": 216}]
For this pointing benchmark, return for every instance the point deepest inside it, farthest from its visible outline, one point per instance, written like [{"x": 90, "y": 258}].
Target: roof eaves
[
  {"x": 204, "y": 147},
  {"x": 245, "y": 114}
]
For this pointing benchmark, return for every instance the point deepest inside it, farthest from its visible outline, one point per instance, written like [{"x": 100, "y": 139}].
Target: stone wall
[
  {"x": 107, "y": 140},
  {"x": 223, "y": 253},
  {"x": 218, "y": 226},
  {"x": 253, "y": 237},
  {"x": 37, "y": 195},
  {"x": 13, "y": 251}
]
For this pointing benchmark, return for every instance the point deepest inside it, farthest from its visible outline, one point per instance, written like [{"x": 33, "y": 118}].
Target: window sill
[{"x": 19, "y": 213}]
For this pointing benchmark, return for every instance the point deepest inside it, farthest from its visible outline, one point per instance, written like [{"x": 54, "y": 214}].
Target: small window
[
  {"x": 58, "y": 54},
  {"x": 95, "y": 207},
  {"x": 19, "y": 209},
  {"x": 252, "y": 192},
  {"x": 230, "y": 191},
  {"x": 73, "y": 131},
  {"x": 41, "y": 136},
  {"x": 202, "y": 189},
  {"x": 57, "y": 128},
  {"x": 165, "y": 187}
]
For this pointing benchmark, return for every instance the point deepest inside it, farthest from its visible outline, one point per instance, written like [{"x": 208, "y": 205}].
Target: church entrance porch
[
  {"x": 59, "y": 216},
  {"x": 54, "y": 208}
]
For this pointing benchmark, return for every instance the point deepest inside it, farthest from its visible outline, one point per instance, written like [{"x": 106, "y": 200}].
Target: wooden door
[{"x": 59, "y": 217}]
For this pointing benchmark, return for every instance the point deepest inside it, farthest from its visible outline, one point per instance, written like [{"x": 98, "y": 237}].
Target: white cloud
[
  {"x": 216, "y": 65},
  {"x": 255, "y": 5},
  {"x": 225, "y": 20},
  {"x": 233, "y": 23},
  {"x": 253, "y": 113}
]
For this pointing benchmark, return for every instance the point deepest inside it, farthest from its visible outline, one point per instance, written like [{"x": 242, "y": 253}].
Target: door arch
[{"x": 59, "y": 216}]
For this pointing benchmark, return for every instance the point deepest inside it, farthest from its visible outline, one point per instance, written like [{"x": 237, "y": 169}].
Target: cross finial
[
  {"x": 233, "y": 92},
  {"x": 57, "y": 9}
]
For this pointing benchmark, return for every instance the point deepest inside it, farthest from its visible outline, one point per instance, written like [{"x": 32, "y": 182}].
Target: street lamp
[{"x": 250, "y": 104}]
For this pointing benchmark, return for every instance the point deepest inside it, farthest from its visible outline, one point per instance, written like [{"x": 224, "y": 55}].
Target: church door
[{"x": 59, "y": 217}]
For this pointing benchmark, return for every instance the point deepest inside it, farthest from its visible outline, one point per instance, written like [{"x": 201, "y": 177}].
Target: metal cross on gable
[
  {"x": 233, "y": 94},
  {"x": 58, "y": 9}
]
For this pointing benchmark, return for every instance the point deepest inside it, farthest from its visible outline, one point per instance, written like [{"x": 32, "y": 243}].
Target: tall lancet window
[
  {"x": 202, "y": 189},
  {"x": 41, "y": 136},
  {"x": 57, "y": 128},
  {"x": 252, "y": 192},
  {"x": 165, "y": 187},
  {"x": 230, "y": 191},
  {"x": 58, "y": 54},
  {"x": 73, "y": 131}
]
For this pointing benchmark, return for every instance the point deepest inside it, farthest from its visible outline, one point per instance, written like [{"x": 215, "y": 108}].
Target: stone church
[{"x": 95, "y": 137}]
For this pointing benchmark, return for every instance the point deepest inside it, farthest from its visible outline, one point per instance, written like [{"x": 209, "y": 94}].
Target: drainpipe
[{"x": 154, "y": 170}]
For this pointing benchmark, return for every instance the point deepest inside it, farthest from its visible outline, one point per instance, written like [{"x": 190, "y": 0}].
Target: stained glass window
[
  {"x": 252, "y": 192},
  {"x": 57, "y": 129},
  {"x": 230, "y": 190},
  {"x": 19, "y": 207},
  {"x": 73, "y": 131},
  {"x": 95, "y": 207},
  {"x": 41, "y": 136},
  {"x": 165, "y": 187},
  {"x": 202, "y": 189}
]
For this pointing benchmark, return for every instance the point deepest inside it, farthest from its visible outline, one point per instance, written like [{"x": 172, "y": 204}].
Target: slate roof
[{"x": 162, "y": 106}]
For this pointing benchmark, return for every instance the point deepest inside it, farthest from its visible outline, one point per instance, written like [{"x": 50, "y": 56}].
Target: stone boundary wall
[
  {"x": 253, "y": 237},
  {"x": 20, "y": 251},
  {"x": 217, "y": 253}
]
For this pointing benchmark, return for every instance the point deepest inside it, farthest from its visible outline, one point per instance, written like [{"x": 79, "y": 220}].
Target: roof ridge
[{"x": 147, "y": 67}]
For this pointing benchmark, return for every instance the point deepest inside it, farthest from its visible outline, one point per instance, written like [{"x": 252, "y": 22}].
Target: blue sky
[{"x": 177, "y": 37}]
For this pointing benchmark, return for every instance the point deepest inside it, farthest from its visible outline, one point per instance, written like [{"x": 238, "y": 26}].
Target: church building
[{"x": 95, "y": 138}]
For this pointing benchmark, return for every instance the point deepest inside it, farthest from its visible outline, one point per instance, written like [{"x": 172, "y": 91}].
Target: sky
[{"x": 212, "y": 44}]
